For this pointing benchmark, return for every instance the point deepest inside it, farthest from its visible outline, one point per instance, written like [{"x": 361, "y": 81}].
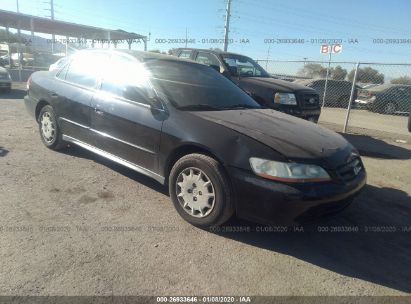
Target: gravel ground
[
  {"x": 76, "y": 224},
  {"x": 366, "y": 122}
]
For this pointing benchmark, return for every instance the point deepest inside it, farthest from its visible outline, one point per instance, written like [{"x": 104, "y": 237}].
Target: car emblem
[
  {"x": 311, "y": 100},
  {"x": 357, "y": 170}
]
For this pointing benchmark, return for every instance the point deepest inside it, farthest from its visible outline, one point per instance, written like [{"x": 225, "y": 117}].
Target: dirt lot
[
  {"x": 75, "y": 224},
  {"x": 391, "y": 125}
]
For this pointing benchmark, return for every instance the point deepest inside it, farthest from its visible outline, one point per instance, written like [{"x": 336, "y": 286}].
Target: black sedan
[{"x": 185, "y": 125}]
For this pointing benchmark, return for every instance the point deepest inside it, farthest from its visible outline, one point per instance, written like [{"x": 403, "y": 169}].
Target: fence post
[
  {"x": 347, "y": 117},
  {"x": 326, "y": 77}
]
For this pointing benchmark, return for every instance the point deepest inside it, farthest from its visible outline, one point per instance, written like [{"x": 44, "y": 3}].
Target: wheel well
[
  {"x": 182, "y": 151},
  {"x": 40, "y": 105}
]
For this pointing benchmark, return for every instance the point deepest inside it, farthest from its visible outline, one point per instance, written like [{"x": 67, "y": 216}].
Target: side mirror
[{"x": 156, "y": 103}]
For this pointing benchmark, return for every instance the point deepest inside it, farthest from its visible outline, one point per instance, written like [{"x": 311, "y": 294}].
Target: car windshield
[
  {"x": 196, "y": 87},
  {"x": 243, "y": 66}
]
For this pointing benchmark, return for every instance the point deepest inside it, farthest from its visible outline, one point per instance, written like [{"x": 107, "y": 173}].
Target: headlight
[
  {"x": 285, "y": 98},
  {"x": 288, "y": 172}
]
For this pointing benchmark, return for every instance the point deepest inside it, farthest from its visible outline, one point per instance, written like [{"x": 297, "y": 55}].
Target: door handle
[{"x": 98, "y": 111}]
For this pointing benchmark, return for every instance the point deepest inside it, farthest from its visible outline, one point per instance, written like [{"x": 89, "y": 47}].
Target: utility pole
[
  {"x": 186, "y": 37},
  {"x": 52, "y": 18},
  {"x": 227, "y": 24},
  {"x": 19, "y": 55},
  {"x": 268, "y": 56}
]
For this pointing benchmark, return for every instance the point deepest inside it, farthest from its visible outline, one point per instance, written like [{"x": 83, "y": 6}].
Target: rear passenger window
[
  {"x": 127, "y": 78},
  {"x": 62, "y": 73},
  {"x": 85, "y": 69},
  {"x": 185, "y": 54}
]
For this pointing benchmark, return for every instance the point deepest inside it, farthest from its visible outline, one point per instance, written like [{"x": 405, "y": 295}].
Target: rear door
[
  {"x": 123, "y": 121},
  {"x": 76, "y": 84}
]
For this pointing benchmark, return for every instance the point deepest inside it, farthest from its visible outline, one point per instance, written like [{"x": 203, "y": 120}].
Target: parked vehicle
[
  {"x": 4, "y": 59},
  {"x": 367, "y": 85},
  {"x": 185, "y": 125},
  {"x": 386, "y": 98},
  {"x": 5, "y": 80},
  {"x": 409, "y": 122},
  {"x": 269, "y": 92},
  {"x": 338, "y": 91},
  {"x": 26, "y": 59}
]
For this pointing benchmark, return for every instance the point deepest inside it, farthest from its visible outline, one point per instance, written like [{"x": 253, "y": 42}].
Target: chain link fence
[{"x": 365, "y": 98}]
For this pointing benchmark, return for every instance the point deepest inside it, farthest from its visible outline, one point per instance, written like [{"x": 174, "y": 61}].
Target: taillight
[
  {"x": 369, "y": 94},
  {"x": 28, "y": 83}
]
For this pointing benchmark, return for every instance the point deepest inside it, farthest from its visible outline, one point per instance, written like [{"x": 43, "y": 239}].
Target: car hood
[
  {"x": 277, "y": 84},
  {"x": 294, "y": 138}
]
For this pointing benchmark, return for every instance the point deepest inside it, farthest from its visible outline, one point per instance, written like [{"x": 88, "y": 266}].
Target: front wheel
[
  {"x": 200, "y": 190},
  {"x": 49, "y": 129}
]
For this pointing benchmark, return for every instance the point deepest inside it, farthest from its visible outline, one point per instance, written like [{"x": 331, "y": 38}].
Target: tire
[
  {"x": 389, "y": 108},
  {"x": 190, "y": 191},
  {"x": 49, "y": 130}
]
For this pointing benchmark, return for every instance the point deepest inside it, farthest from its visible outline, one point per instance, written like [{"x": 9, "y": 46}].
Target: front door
[{"x": 123, "y": 122}]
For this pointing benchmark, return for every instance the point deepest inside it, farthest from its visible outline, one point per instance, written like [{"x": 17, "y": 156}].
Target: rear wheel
[
  {"x": 390, "y": 108},
  {"x": 49, "y": 129},
  {"x": 200, "y": 190}
]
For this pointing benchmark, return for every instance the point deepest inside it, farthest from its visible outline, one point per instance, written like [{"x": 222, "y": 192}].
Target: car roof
[
  {"x": 140, "y": 55},
  {"x": 219, "y": 52},
  {"x": 386, "y": 86}
]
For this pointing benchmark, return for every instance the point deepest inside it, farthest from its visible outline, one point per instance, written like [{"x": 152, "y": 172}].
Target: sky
[{"x": 259, "y": 29}]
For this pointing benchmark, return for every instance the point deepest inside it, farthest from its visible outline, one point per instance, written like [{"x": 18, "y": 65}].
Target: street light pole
[{"x": 227, "y": 24}]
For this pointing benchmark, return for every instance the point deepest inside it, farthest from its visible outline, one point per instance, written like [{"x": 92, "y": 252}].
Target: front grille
[
  {"x": 310, "y": 100},
  {"x": 350, "y": 170}
]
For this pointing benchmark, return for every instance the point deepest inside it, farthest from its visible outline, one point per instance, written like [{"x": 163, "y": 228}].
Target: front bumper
[
  {"x": 31, "y": 105},
  {"x": 5, "y": 85},
  {"x": 301, "y": 113},
  {"x": 362, "y": 104},
  {"x": 269, "y": 202}
]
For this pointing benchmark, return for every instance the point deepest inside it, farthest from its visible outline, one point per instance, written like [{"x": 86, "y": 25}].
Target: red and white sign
[{"x": 334, "y": 48}]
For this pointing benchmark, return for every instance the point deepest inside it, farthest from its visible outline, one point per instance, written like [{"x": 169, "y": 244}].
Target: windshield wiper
[
  {"x": 239, "y": 106},
  {"x": 203, "y": 107}
]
